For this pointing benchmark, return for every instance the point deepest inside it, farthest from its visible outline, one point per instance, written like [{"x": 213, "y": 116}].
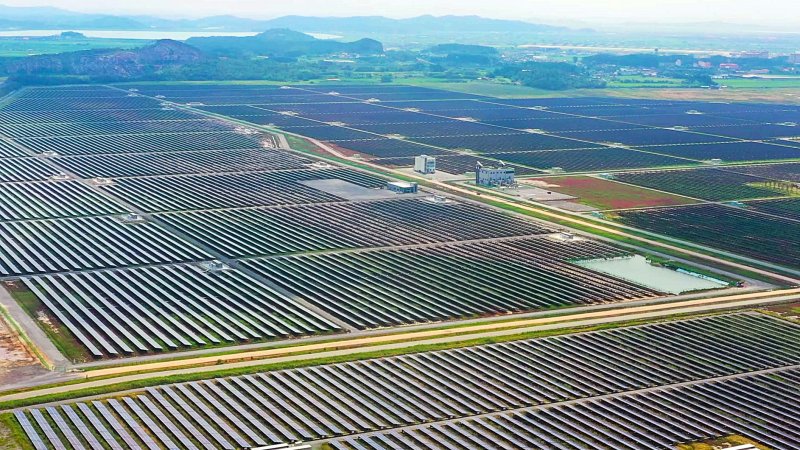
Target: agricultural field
[
  {"x": 386, "y": 394},
  {"x": 606, "y": 194},
  {"x": 710, "y": 184}
]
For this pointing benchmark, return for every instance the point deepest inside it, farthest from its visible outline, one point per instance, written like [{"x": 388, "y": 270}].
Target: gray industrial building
[{"x": 494, "y": 176}]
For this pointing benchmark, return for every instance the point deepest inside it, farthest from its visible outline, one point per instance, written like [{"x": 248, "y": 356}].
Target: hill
[
  {"x": 106, "y": 64},
  {"x": 282, "y": 43}
]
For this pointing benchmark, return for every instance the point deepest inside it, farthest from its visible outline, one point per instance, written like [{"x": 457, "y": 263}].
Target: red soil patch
[{"x": 606, "y": 194}]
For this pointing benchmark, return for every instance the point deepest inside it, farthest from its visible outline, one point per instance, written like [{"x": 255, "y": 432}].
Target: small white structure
[
  {"x": 132, "y": 218},
  {"x": 295, "y": 446},
  {"x": 402, "y": 187},
  {"x": 436, "y": 198},
  {"x": 321, "y": 165},
  {"x": 425, "y": 164},
  {"x": 49, "y": 154},
  {"x": 215, "y": 267},
  {"x": 60, "y": 177},
  {"x": 743, "y": 447},
  {"x": 101, "y": 181}
]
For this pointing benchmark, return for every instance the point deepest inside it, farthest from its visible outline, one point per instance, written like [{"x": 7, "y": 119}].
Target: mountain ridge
[{"x": 52, "y": 18}]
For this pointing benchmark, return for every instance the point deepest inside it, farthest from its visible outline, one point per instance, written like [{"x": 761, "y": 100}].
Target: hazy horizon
[{"x": 779, "y": 13}]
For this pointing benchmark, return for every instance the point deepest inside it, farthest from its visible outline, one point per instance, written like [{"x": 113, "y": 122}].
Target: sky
[{"x": 771, "y": 12}]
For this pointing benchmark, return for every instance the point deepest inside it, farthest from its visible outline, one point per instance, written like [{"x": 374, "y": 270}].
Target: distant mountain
[
  {"x": 422, "y": 24},
  {"x": 47, "y": 18},
  {"x": 281, "y": 42},
  {"x": 107, "y": 64}
]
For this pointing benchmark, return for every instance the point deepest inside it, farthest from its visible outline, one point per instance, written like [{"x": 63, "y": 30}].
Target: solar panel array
[
  {"x": 397, "y": 122},
  {"x": 761, "y": 407},
  {"x": 77, "y": 160},
  {"x": 592, "y": 371}
]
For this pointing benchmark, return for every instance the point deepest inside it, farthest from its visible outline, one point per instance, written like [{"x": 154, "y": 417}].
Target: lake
[{"x": 637, "y": 269}]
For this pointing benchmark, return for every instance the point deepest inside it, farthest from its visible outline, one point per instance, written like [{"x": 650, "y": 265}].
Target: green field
[
  {"x": 761, "y": 83},
  {"x": 26, "y": 46}
]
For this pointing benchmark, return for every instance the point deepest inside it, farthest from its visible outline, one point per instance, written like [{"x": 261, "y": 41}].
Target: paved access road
[{"x": 405, "y": 340}]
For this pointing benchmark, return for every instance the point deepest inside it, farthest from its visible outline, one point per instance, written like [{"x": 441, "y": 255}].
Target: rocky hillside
[{"x": 112, "y": 64}]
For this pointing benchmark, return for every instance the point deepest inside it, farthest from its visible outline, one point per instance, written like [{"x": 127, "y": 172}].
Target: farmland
[{"x": 403, "y": 391}]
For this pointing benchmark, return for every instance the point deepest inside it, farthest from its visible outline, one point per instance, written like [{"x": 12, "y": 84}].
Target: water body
[
  {"x": 637, "y": 269},
  {"x": 144, "y": 35}
]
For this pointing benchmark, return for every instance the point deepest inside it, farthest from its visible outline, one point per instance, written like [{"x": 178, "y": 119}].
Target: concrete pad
[
  {"x": 571, "y": 206},
  {"x": 350, "y": 191},
  {"x": 536, "y": 194},
  {"x": 438, "y": 175}
]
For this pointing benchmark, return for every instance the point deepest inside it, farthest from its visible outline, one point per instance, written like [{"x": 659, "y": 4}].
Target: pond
[{"x": 637, "y": 269}]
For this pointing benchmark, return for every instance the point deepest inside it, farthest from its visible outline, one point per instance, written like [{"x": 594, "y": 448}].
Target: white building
[
  {"x": 425, "y": 164},
  {"x": 494, "y": 176}
]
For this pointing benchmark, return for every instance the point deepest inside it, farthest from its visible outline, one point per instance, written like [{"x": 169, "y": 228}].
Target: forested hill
[
  {"x": 282, "y": 43},
  {"x": 107, "y": 64}
]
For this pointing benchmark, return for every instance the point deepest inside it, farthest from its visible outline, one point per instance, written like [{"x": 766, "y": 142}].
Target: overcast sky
[{"x": 767, "y": 12}]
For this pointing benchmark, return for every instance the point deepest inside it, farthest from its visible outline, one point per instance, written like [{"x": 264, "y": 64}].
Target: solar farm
[
  {"x": 551, "y": 383},
  {"x": 205, "y": 228},
  {"x": 112, "y": 222},
  {"x": 641, "y": 142}
]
